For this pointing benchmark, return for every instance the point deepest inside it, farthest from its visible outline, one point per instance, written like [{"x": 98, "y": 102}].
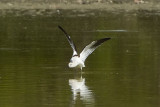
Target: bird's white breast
[{"x": 76, "y": 62}]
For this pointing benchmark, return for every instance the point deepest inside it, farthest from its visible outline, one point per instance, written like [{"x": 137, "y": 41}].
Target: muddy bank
[{"x": 49, "y": 9}]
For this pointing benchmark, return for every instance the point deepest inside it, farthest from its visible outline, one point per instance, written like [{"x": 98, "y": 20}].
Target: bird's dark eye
[{"x": 71, "y": 61}]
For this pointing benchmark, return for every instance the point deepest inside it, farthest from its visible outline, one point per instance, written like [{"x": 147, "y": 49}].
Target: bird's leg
[{"x": 81, "y": 74}]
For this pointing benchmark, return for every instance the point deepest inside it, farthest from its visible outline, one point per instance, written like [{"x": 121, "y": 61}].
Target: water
[{"x": 123, "y": 72}]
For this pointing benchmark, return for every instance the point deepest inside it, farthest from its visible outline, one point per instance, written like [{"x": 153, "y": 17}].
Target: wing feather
[
  {"x": 70, "y": 41},
  {"x": 91, "y": 47}
]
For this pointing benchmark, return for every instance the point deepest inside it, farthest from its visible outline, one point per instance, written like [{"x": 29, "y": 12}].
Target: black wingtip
[
  {"x": 60, "y": 27},
  {"x": 62, "y": 30},
  {"x": 99, "y": 42},
  {"x": 107, "y": 38},
  {"x": 104, "y": 39}
]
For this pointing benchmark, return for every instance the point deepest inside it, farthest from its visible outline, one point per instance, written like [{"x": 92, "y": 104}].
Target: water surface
[{"x": 124, "y": 71}]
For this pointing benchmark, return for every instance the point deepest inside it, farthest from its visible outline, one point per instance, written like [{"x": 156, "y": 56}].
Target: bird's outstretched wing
[
  {"x": 91, "y": 47},
  {"x": 70, "y": 41}
]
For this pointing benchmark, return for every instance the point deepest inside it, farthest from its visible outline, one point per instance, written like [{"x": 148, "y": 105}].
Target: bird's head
[{"x": 72, "y": 63}]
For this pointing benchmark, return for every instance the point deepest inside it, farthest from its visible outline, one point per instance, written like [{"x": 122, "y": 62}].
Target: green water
[{"x": 123, "y": 72}]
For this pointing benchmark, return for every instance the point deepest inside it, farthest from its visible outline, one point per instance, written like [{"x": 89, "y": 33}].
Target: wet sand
[{"x": 59, "y": 9}]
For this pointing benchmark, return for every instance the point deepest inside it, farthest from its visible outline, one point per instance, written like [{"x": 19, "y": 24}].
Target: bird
[{"x": 78, "y": 60}]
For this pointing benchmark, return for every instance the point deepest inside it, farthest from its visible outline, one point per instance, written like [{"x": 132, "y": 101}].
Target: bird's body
[{"x": 77, "y": 61}]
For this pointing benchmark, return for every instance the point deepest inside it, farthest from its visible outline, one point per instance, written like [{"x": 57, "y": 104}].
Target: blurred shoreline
[{"x": 40, "y": 8}]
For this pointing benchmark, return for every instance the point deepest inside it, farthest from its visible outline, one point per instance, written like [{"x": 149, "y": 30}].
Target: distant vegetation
[
  {"x": 46, "y": 7},
  {"x": 78, "y": 1}
]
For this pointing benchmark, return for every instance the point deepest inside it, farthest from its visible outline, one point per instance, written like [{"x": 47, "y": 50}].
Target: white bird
[
  {"x": 79, "y": 89},
  {"x": 77, "y": 61}
]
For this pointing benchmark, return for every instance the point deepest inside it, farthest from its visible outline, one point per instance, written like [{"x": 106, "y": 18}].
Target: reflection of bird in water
[
  {"x": 78, "y": 60},
  {"x": 80, "y": 90}
]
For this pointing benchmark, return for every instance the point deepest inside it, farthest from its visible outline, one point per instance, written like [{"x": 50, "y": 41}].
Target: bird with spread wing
[{"x": 77, "y": 60}]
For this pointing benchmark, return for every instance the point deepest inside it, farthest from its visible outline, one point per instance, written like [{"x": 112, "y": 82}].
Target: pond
[{"x": 123, "y": 72}]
